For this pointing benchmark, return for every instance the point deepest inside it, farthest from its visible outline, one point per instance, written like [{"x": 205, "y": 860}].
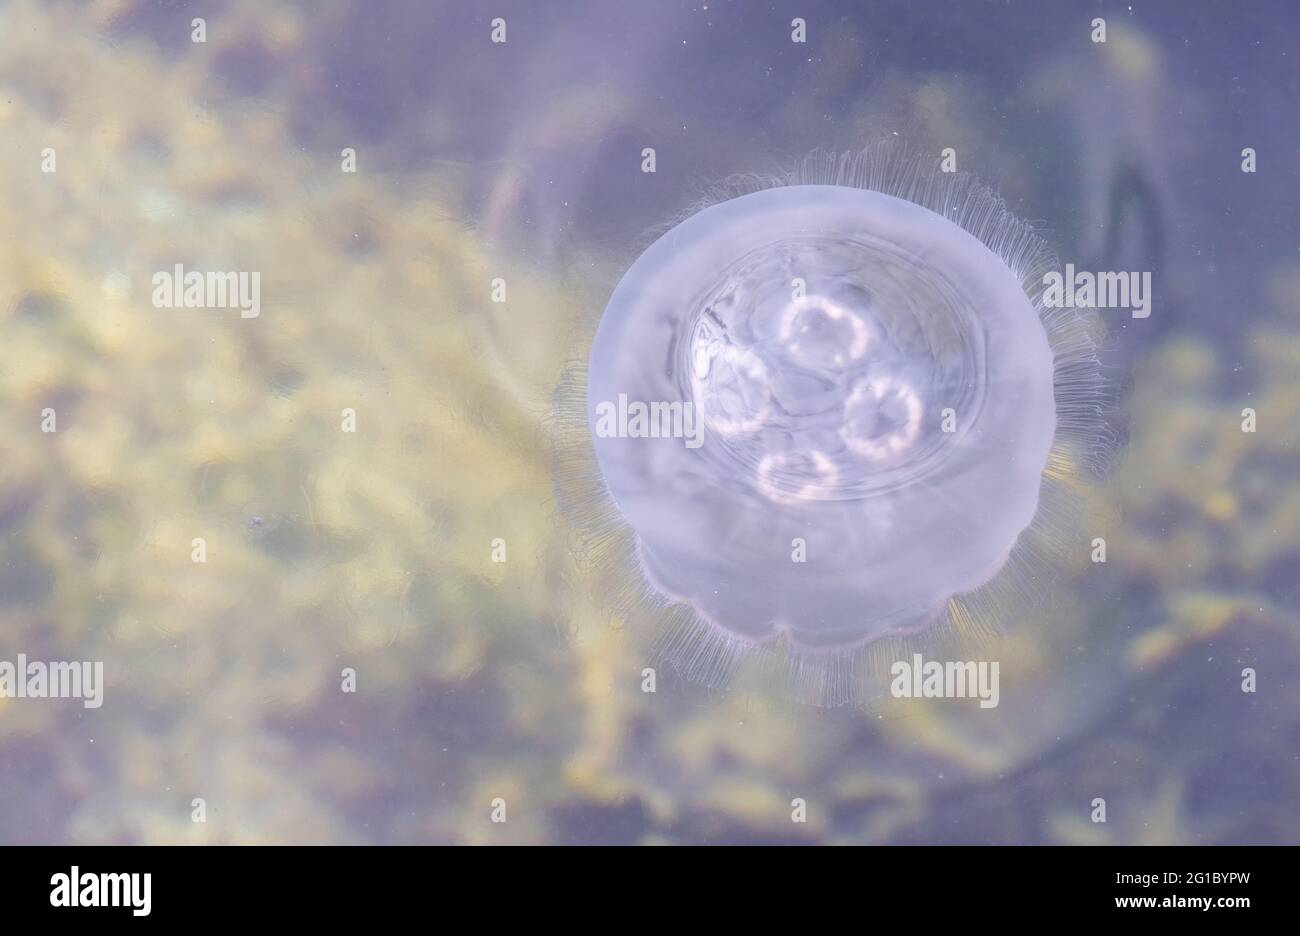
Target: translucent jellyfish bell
[{"x": 850, "y": 400}]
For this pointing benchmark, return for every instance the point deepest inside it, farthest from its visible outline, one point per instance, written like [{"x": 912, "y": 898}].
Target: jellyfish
[{"x": 890, "y": 423}]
